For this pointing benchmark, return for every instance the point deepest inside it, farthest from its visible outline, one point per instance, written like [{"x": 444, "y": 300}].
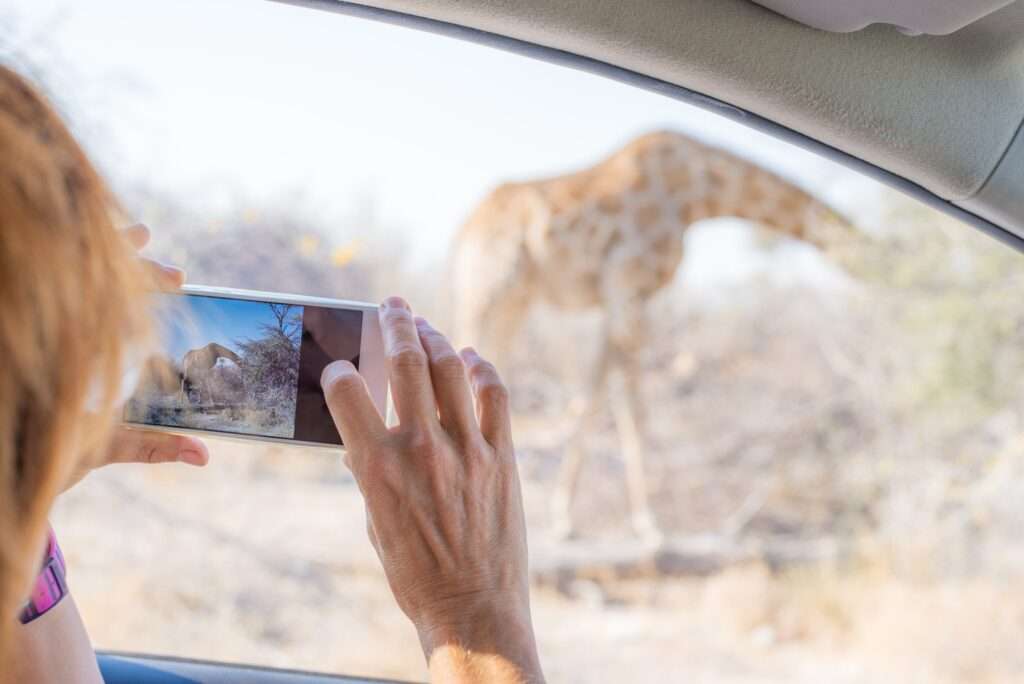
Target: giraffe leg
[
  {"x": 586, "y": 408},
  {"x": 630, "y": 421},
  {"x": 569, "y": 473},
  {"x": 628, "y": 335}
]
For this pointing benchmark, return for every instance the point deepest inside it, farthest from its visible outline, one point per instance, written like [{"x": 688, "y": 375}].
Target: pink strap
[{"x": 51, "y": 584}]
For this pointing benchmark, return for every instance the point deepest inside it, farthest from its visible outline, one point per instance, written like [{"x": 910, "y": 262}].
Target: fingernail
[
  {"x": 175, "y": 272},
  {"x": 193, "y": 457},
  {"x": 421, "y": 321},
  {"x": 334, "y": 371},
  {"x": 194, "y": 445},
  {"x": 394, "y": 303}
]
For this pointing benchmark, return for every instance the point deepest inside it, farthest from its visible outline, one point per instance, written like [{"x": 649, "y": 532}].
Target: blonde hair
[{"x": 70, "y": 312}]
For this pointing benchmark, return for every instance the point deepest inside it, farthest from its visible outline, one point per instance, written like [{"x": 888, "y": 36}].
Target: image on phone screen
[{"x": 244, "y": 367}]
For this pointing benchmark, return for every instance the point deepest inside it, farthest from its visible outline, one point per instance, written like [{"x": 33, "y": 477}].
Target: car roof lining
[
  {"x": 937, "y": 143},
  {"x": 935, "y": 17}
]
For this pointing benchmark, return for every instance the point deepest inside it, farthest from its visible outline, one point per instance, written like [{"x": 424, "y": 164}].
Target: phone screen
[{"x": 245, "y": 367}]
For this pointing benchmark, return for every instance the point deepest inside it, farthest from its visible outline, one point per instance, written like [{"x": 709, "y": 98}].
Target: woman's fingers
[
  {"x": 146, "y": 446},
  {"x": 448, "y": 373},
  {"x": 409, "y": 370},
  {"x": 355, "y": 415},
  {"x": 491, "y": 399},
  {"x": 137, "y": 235},
  {"x": 165, "y": 277}
]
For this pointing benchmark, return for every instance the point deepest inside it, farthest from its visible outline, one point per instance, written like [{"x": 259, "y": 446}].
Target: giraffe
[
  {"x": 198, "y": 364},
  {"x": 610, "y": 237}
]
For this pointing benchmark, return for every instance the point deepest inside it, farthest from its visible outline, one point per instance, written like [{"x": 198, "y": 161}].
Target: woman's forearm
[{"x": 54, "y": 648}]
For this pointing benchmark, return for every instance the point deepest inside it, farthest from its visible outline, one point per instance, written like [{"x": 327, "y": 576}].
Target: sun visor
[{"x": 936, "y": 17}]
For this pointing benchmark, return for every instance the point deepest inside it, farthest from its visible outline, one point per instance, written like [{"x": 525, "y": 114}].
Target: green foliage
[{"x": 953, "y": 300}]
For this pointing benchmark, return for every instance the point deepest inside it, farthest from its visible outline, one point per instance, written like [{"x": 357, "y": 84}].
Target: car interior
[{"x": 926, "y": 96}]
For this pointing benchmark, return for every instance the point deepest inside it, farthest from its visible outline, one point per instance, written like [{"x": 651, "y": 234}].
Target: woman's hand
[
  {"x": 133, "y": 445},
  {"x": 166, "y": 277},
  {"x": 130, "y": 445},
  {"x": 443, "y": 504}
]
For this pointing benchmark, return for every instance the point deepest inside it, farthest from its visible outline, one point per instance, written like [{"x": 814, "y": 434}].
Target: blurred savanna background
[{"x": 836, "y": 446}]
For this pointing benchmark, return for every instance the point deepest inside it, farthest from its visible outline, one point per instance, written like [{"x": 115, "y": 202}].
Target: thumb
[{"x": 131, "y": 445}]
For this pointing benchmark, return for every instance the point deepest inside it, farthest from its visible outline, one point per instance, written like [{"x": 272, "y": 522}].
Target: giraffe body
[{"x": 610, "y": 237}]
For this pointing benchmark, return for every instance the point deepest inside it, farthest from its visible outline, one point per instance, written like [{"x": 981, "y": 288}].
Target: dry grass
[{"x": 263, "y": 559}]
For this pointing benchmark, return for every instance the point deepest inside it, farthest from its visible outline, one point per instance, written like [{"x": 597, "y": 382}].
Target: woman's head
[{"x": 70, "y": 309}]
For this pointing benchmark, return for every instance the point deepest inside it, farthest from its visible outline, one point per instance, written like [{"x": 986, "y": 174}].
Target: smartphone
[{"x": 247, "y": 364}]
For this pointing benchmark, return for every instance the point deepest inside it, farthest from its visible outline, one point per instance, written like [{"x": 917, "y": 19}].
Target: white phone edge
[{"x": 372, "y": 364}]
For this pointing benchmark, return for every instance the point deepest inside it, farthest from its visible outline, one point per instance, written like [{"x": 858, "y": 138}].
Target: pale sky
[{"x": 209, "y": 97}]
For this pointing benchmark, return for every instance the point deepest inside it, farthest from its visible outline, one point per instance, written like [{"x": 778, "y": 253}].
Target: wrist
[
  {"x": 50, "y": 585},
  {"x": 481, "y": 641}
]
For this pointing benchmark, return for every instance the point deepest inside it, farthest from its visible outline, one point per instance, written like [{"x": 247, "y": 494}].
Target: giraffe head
[
  {"x": 797, "y": 214},
  {"x": 832, "y": 232},
  {"x": 827, "y": 229}
]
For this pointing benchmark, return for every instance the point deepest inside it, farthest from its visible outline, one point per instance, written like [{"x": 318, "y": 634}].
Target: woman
[{"x": 73, "y": 323}]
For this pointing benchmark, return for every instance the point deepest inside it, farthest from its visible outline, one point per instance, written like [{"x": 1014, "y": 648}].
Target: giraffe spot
[
  {"x": 677, "y": 179},
  {"x": 715, "y": 206},
  {"x": 667, "y": 149},
  {"x": 665, "y": 244},
  {"x": 610, "y": 204},
  {"x": 559, "y": 197},
  {"x": 760, "y": 178},
  {"x": 639, "y": 182},
  {"x": 669, "y": 267},
  {"x": 720, "y": 172},
  {"x": 662, "y": 153},
  {"x": 755, "y": 193},
  {"x": 565, "y": 193},
  {"x": 567, "y": 236},
  {"x": 647, "y": 215},
  {"x": 698, "y": 211},
  {"x": 687, "y": 213},
  {"x": 591, "y": 281},
  {"x": 601, "y": 234},
  {"x": 764, "y": 207},
  {"x": 669, "y": 253},
  {"x": 791, "y": 202}
]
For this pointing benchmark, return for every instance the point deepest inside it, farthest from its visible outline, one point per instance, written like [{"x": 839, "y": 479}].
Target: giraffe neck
[{"x": 693, "y": 181}]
